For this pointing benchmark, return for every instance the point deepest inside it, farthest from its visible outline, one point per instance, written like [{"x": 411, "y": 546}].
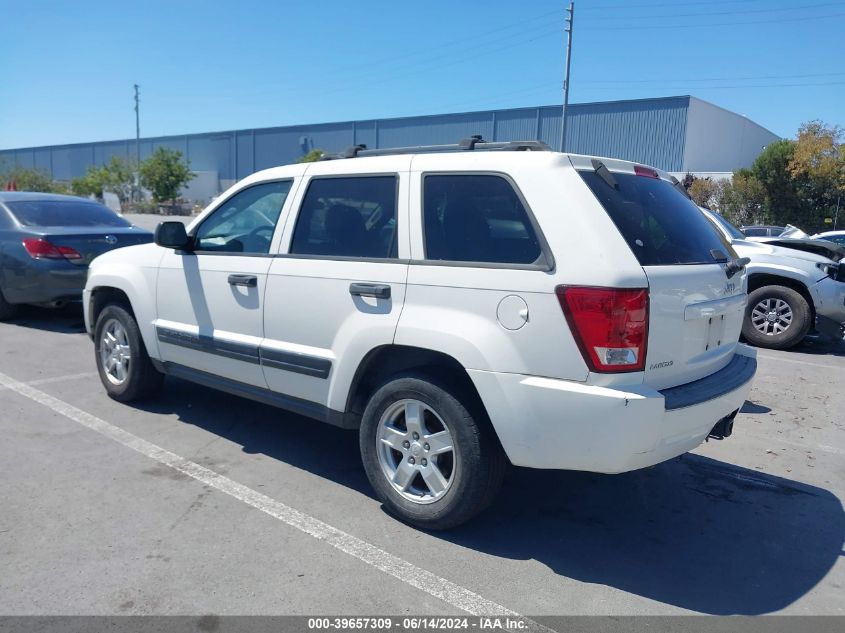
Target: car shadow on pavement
[
  {"x": 820, "y": 346},
  {"x": 307, "y": 444},
  {"x": 694, "y": 532},
  {"x": 67, "y": 319}
]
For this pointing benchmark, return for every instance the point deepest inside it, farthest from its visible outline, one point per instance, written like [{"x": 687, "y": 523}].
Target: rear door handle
[
  {"x": 250, "y": 281},
  {"x": 379, "y": 291}
]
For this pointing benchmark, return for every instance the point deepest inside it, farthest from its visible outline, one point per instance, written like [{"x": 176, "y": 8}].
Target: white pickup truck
[{"x": 795, "y": 286}]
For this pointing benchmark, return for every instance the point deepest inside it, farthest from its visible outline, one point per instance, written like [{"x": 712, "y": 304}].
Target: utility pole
[
  {"x": 570, "y": 17},
  {"x": 137, "y": 148},
  {"x": 836, "y": 217}
]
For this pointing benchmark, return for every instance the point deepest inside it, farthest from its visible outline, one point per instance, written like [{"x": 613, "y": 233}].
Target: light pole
[
  {"x": 137, "y": 147},
  {"x": 570, "y": 17}
]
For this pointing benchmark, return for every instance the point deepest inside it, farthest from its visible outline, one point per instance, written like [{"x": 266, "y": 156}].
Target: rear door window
[
  {"x": 350, "y": 216},
  {"x": 660, "y": 224},
  {"x": 477, "y": 218}
]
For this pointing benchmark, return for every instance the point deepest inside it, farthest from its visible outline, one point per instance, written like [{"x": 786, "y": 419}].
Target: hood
[
  {"x": 823, "y": 248},
  {"x": 747, "y": 248},
  {"x": 143, "y": 255}
]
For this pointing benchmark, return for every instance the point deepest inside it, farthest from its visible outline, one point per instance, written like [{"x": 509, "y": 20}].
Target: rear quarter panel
[{"x": 453, "y": 308}]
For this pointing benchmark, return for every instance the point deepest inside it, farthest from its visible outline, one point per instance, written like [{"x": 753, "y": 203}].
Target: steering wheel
[{"x": 254, "y": 233}]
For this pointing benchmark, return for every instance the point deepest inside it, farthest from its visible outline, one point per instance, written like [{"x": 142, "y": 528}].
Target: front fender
[{"x": 133, "y": 271}]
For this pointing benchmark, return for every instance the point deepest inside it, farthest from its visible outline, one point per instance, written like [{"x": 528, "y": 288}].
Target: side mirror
[{"x": 172, "y": 235}]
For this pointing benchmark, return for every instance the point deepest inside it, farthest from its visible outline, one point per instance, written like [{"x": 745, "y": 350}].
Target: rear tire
[
  {"x": 432, "y": 462},
  {"x": 125, "y": 368},
  {"x": 7, "y": 310},
  {"x": 777, "y": 317}
]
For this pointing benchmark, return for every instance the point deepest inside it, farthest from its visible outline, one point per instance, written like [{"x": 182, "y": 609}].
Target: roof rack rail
[{"x": 473, "y": 143}]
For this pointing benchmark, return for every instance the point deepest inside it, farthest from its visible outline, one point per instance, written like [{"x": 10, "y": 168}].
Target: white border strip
[{"x": 408, "y": 573}]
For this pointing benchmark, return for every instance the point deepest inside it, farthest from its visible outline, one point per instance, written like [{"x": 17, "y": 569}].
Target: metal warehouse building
[{"x": 677, "y": 134}]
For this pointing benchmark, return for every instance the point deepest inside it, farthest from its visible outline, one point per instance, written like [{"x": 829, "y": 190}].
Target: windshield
[
  {"x": 793, "y": 232},
  {"x": 729, "y": 228},
  {"x": 661, "y": 225},
  {"x": 64, "y": 213}
]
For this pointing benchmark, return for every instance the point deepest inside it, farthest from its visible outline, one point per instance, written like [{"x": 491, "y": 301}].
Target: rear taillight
[
  {"x": 42, "y": 249},
  {"x": 610, "y": 325}
]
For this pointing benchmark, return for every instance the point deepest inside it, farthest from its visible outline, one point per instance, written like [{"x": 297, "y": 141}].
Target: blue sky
[{"x": 68, "y": 67}]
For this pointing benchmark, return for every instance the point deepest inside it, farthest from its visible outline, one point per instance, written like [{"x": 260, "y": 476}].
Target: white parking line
[
  {"x": 799, "y": 362},
  {"x": 434, "y": 585},
  {"x": 48, "y": 381}
]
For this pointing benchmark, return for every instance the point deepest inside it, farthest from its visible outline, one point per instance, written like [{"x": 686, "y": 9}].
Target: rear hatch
[{"x": 695, "y": 307}]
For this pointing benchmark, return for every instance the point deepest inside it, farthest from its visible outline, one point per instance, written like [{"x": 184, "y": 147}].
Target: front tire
[
  {"x": 125, "y": 368},
  {"x": 777, "y": 317},
  {"x": 432, "y": 462}
]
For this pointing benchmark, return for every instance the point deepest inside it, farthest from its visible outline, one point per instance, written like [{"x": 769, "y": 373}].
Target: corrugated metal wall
[{"x": 651, "y": 131}]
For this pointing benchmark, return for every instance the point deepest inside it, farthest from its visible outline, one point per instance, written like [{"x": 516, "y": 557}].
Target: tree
[
  {"x": 311, "y": 157},
  {"x": 91, "y": 184},
  {"x": 818, "y": 165},
  {"x": 704, "y": 191},
  {"x": 116, "y": 176},
  {"x": 771, "y": 169},
  {"x": 165, "y": 173},
  {"x": 26, "y": 179},
  {"x": 742, "y": 200}
]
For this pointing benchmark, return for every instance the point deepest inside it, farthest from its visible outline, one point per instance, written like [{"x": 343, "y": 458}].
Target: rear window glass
[
  {"x": 660, "y": 224},
  {"x": 64, "y": 213},
  {"x": 476, "y": 218}
]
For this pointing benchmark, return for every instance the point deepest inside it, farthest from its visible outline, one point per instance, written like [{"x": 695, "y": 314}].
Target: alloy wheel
[{"x": 416, "y": 451}]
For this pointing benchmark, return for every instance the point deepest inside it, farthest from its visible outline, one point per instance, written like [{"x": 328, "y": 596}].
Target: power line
[
  {"x": 746, "y": 86},
  {"x": 702, "y": 79},
  {"x": 708, "y": 14},
  {"x": 712, "y": 24},
  {"x": 652, "y": 5},
  {"x": 462, "y": 42}
]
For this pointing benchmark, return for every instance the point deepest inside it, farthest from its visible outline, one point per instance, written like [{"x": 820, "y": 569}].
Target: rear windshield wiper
[
  {"x": 604, "y": 173},
  {"x": 677, "y": 184},
  {"x": 734, "y": 266}
]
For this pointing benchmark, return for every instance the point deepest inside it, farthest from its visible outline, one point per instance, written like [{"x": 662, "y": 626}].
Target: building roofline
[
  {"x": 710, "y": 103},
  {"x": 184, "y": 135}
]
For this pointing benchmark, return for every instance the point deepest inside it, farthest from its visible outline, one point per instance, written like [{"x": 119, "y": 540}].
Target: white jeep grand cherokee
[{"x": 464, "y": 306}]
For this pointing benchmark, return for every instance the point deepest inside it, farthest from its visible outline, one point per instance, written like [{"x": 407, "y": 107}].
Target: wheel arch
[
  {"x": 759, "y": 280},
  {"x": 386, "y": 361},
  {"x": 101, "y": 296}
]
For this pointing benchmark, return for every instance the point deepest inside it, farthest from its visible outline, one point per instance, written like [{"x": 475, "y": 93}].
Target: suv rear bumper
[{"x": 549, "y": 423}]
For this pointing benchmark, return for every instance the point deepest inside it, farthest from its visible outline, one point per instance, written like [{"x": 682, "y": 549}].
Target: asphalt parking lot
[{"x": 203, "y": 503}]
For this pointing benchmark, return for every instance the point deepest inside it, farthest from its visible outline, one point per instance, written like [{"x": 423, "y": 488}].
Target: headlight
[{"x": 834, "y": 271}]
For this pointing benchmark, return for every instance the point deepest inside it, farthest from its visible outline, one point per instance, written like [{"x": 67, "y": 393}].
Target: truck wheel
[
  {"x": 122, "y": 361},
  {"x": 431, "y": 462},
  {"x": 7, "y": 310},
  {"x": 777, "y": 317}
]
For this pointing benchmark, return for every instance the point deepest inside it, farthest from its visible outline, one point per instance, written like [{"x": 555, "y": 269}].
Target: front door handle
[
  {"x": 250, "y": 281},
  {"x": 379, "y": 291}
]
